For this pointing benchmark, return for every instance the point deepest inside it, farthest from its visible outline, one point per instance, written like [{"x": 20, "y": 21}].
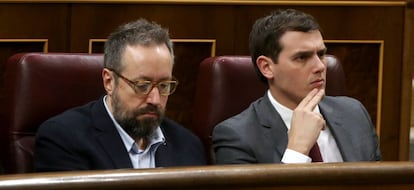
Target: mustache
[{"x": 150, "y": 108}]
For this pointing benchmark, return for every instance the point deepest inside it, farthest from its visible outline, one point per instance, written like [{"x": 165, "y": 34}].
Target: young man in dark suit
[{"x": 294, "y": 122}]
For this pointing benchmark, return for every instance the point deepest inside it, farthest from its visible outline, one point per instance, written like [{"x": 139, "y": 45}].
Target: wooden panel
[
  {"x": 93, "y": 21},
  {"x": 407, "y": 86},
  {"x": 9, "y": 47},
  {"x": 188, "y": 56},
  {"x": 31, "y": 28},
  {"x": 36, "y": 21},
  {"x": 96, "y": 46},
  {"x": 362, "y": 62}
]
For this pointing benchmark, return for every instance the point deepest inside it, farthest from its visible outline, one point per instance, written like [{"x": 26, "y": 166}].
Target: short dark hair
[
  {"x": 139, "y": 32},
  {"x": 266, "y": 32}
]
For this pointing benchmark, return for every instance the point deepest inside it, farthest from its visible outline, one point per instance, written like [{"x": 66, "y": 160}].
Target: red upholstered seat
[{"x": 36, "y": 86}]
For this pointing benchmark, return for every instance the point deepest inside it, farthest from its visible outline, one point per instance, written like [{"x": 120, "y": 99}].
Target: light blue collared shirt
[{"x": 139, "y": 158}]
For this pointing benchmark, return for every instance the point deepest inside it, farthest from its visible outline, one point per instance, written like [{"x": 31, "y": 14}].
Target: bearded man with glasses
[{"x": 126, "y": 128}]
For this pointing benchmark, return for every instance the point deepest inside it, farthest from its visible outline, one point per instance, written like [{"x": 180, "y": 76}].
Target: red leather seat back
[{"x": 37, "y": 86}]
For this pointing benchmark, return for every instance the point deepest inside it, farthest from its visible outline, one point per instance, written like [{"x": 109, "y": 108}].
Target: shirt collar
[{"x": 284, "y": 111}]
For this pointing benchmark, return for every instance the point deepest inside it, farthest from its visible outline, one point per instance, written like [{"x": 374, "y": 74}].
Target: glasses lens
[
  {"x": 143, "y": 87},
  {"x": 167, "y": 87}
]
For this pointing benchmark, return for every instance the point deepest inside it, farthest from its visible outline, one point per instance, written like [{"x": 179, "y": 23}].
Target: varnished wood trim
[
  {"x": 212, "y": 41},
  {"x": 356, "y": 175},
  {"x": 407, "y": 74},
  {"x": 45, "y": 42},
  {"x": 410, "y": 4},
  {"x": 227, "y": 2},
  {"x": 380, "y": 73},
  {"x": 91, "y": 41}
]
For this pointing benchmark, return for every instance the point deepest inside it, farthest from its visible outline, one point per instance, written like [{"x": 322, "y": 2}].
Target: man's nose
[
  {"x": 320, "y": 63},
  {"x": 154, "y": 96}
]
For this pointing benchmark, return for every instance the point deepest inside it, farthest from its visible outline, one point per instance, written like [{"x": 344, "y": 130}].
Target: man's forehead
[{"x": 302, "y": 41}]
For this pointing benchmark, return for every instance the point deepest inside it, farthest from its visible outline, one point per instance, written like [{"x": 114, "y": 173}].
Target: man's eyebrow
[
  {"x": 144, "y": 78},
  {"x": 302, "y": 53},
  {"x": 310, "y": 52},
  {"x": 324, "y": 50}
]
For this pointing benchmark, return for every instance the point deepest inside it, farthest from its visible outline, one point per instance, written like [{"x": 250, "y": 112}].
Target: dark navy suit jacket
[{"x": 85, "y": 138}]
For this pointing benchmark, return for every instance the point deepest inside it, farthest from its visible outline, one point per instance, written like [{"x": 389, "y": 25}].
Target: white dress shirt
[{"x": 327, "y": 144}]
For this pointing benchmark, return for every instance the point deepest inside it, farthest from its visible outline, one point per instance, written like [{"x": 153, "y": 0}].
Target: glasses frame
[{"x": 134, "y": 84}]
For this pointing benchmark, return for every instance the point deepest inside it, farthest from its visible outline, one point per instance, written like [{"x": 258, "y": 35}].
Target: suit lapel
[
  {"x": 107, "y": 135},
  {"x": 275, "y": 130},
  {"x": 164, "y": 156},
  {"x": 338, "y": 130}
]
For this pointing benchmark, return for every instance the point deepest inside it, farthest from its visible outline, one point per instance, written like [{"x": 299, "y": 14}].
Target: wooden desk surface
[{"x": 381, "y": 175}]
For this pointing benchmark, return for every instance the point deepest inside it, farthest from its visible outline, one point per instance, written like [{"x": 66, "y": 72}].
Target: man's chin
[
  {"x": 155, "y": 119},
  {"x": 148, "y": 117}
]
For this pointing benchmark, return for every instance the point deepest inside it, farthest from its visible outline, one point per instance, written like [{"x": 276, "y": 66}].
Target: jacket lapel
[
  {"x": 338, "y": 129},
  {"x": 164, "y": 156},
  {"x": 107, "y": 135},
  {"x": 275, "y": 130}
]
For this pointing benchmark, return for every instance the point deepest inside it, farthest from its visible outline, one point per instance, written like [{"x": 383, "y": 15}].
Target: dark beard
[
  {"x": 136, "y": 128},
  {"x": 141, "y": 128}
]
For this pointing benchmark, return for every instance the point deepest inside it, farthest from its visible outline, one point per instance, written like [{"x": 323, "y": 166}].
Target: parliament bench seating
[{"x": 37, "y": 86}]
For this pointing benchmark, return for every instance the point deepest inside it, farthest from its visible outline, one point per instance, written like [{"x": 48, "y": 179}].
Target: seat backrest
[
  {"x": 227, "y": 85},
  {"x": 37, "y": 86}
]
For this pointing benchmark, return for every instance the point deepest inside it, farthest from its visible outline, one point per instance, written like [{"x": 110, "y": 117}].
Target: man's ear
[
  {"x": 108, "y": 81},
  {"x": 265, "y": 66}
]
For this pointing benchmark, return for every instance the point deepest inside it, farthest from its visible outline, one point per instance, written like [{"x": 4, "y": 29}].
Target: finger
[
  {"x": 304, "y": 104},
  {"x": 324, "y": 122},
  {"x": 315, "y": 100},
  {"x": 307, "y": 99}
]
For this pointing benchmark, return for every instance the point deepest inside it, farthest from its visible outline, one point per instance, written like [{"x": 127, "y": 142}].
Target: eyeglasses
[{"x": 144, "y": 87}]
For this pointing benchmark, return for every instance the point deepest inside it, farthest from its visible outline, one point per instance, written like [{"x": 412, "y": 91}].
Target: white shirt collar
[{"x": 285, "y": 112}]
